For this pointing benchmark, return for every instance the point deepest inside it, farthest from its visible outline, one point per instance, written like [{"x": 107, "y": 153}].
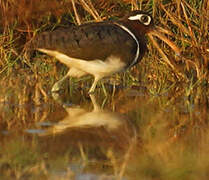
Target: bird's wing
[{"x": 89, "y": 41}]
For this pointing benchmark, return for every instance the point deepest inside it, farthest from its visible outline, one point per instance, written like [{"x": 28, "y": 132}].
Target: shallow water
[{"x": 131, "y": 135}]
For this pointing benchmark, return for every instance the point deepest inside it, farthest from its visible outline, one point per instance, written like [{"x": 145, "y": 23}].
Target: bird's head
[{"x": 144, "y": 23}]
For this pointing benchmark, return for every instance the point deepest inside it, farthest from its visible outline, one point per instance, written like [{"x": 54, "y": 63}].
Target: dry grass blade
[
  {"x": 89, "y": 8},
  {"x": 205, "y": 18},
  {"x": 76, "y": 12},
  {"x": 176, "y": 36},
  {"x": 165, "y": 31},
  {"x": 193, "y": 64},
  {"x": 92, "y": 7},
  {"x": 167, "y": 41},
  {"x": 134, "y": 5},
  {"x": 127, "y": 158},
  {"x": 161, "y": 52},
  {"x": 189, "y": 24},
  {"x": 192, "y": 9},
  {"x": 175, "y": 21}
]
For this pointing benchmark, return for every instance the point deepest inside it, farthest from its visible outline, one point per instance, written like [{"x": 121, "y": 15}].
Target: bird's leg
[
  {"x": 94, "y": 102},
  {"x": 57, "y": 86},
  {"x": 93, "y": 86}
]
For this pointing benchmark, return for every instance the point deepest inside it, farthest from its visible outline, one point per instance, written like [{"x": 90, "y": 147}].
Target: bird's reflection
[
  {"x": 81, "y": 118},
  {"x": 95, "y": 138}
]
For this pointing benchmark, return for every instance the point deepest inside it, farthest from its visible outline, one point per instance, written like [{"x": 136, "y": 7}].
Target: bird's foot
[
  {"x": 91, "y": 92},
  {"x": 57, "y": 87}
]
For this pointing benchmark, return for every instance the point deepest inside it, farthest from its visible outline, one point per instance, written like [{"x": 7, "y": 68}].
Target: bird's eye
[{"x": 143, "y": 18}]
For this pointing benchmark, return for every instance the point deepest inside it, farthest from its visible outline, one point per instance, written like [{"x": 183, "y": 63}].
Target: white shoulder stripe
[{"x": 134, "y": 37}]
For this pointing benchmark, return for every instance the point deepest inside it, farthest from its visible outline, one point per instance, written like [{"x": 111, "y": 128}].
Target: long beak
[{"x": 157, "y": 33}]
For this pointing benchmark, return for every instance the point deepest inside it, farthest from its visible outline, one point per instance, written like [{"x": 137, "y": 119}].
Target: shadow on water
[{"x": 129, "y": 136}]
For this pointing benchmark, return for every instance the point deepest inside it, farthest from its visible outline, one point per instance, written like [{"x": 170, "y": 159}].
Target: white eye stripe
[{"x": 139, "y": 16}]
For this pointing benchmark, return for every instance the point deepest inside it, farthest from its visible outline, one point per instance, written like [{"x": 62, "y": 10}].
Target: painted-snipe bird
[{"x": 101, "y": 48}]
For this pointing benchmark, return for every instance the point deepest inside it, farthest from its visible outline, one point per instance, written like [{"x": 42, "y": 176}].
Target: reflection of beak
[{"x": 157, "y": 33}]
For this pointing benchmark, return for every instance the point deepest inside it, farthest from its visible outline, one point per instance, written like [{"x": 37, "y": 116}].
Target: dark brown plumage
[{"x": 92, "y": 41}]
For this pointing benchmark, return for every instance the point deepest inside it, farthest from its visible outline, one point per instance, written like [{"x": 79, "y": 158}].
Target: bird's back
[{"x": 90, "y": 41}]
